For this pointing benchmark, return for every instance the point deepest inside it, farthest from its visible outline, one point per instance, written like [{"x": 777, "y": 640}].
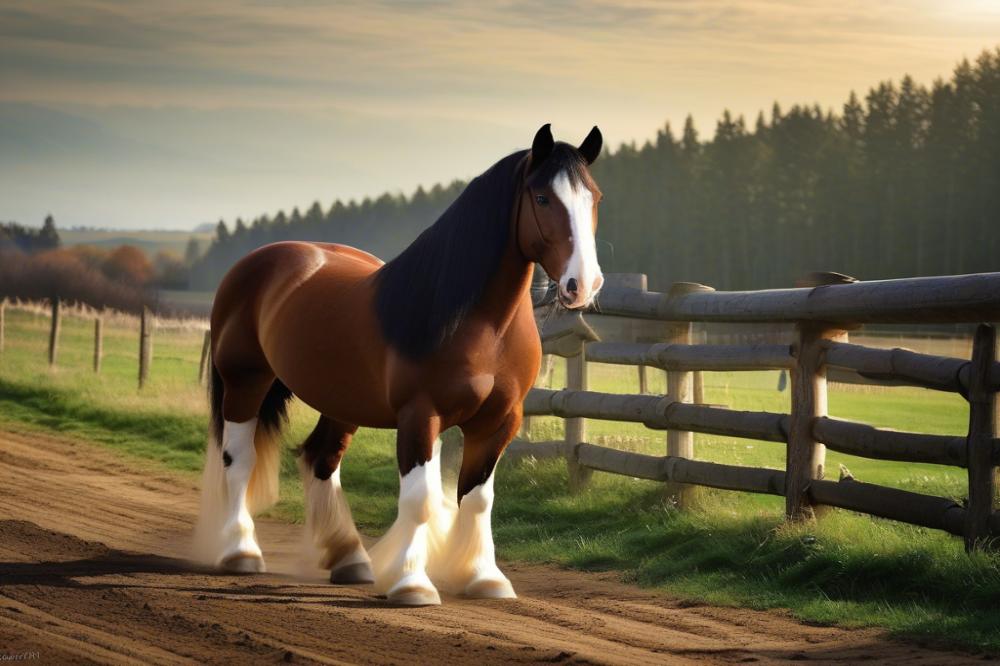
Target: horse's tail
[{"x": 271, "y": 419}]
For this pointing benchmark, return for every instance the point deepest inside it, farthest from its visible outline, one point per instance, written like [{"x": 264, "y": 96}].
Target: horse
[{"x": 442, "y": 335}]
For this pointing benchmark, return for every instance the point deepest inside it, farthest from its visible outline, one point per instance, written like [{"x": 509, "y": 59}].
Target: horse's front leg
[
  {"x": 469, "y": 564},
  {"x": 399, "y": 559}
]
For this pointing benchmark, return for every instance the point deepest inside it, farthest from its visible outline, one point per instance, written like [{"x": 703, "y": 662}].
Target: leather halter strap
[{"x": 537, "y": 231}]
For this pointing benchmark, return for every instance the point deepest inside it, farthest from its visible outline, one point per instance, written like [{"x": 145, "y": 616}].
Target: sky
[{"x": 139, "y": 114}]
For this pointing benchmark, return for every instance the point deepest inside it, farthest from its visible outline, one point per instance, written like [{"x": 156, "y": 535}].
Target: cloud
[{"x": 441, "y": 87}]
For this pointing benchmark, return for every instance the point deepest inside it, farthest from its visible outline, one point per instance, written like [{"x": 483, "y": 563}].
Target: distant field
[
  {"x": 150, "y": 242},
  {"x": 198, "y": 303},
  {"x": 732, "y": 549}
]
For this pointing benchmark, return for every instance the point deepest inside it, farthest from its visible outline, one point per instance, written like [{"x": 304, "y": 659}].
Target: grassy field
[{"x": 731, "y": 549}]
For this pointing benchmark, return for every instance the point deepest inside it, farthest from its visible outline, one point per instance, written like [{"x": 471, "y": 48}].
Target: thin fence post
[
  {"x": 576, "y": 428},
  {"x": 3, "y": 322},
  {"x": 98, "y": 343},
  {"x": 680, "y": 443},
  {"x": 206, "y": 354},
  {"x": 680, "y": 388},
  {"x": 805, "y": 458},
  {"x": 982, "y": 434},
  {"x": 643, "y": 380},
  {"x": 524, "y": 432},
  {"x": 699, "y": 388},
  {"x": 145, "y": 345},
  {"x": 54, "y": 333}
]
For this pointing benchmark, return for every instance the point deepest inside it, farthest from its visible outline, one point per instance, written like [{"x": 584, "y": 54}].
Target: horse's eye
[{"x": 542, "y": 199}]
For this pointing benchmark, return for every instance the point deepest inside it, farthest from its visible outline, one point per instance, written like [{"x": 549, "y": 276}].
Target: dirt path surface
[{"x": 92, "y": 570}]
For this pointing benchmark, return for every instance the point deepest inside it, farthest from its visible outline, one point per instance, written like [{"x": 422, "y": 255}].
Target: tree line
[
  {"x": 903, "y": 181},
  {"x": 18, "y": 238},
  {"x": 383, "y": 226},
  {"x": 34, "y": 265}
]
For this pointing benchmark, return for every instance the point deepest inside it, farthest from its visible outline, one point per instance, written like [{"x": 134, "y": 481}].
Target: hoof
[
  {"x": 414, "y": 591},
  {"x": 243, "y": 563},
  {"x": 359, "y": 573},
  {"x": 490, "y": 588}
]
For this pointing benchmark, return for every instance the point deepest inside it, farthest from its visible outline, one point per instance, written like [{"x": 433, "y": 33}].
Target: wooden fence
[
  {"x": 654, "y": 330},
  {"x": 147, "y": 323},
  {"x": 820, "y": 316}
]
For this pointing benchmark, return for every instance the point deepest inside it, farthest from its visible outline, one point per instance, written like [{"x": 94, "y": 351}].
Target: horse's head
[{"x": 558, "y": 215}]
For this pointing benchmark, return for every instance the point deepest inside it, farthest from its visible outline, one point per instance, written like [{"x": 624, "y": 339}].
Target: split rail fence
[{"x": 821, "y": 315}]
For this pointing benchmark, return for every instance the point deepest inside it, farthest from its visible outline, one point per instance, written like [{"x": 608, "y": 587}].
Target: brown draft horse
[{"x": 442, "y": 335}]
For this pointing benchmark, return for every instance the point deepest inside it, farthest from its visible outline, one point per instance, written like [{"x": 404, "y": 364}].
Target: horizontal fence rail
[
  {"x": 955, "y": 299},
  {"x": 693, "y": 357},
  {"x": 907, "y": 367},
  {"x": 660, "y": 413},
  {"x": 822, "y": 314}
]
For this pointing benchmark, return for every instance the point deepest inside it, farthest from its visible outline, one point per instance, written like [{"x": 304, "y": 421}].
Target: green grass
[{"x": 731, "y": 549}]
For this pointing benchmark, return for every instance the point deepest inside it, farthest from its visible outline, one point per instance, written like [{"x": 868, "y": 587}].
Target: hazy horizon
[{"x": 132, "y": 115}]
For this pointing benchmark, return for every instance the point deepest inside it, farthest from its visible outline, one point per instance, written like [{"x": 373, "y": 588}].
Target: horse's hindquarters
[{"x": 321, "y": 338}]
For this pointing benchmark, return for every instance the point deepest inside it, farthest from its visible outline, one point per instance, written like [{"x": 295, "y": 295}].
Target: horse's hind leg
[
  {"x": 329, "y": 523},
  {"x": 241, "y": 471}
]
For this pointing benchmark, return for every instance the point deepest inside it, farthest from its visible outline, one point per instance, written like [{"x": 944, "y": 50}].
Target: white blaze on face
[{"x": 582, "y": 266}]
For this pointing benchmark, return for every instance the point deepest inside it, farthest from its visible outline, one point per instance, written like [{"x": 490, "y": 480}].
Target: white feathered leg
[
  {"x": 239, "y": 550},
  {"x": 468, "y": 564},
  {"x": 400, "y": 558},
  {"x": 333, "y": 536}
]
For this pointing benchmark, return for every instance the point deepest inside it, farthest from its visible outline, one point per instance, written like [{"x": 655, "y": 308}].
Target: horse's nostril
[{"x": 571, "y": 286}]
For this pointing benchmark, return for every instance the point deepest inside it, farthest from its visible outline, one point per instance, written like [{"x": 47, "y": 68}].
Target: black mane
[{"x": 424, "y": 293}]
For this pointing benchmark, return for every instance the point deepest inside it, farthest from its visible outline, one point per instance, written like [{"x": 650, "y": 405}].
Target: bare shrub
[{"x": 71, "y": 276}]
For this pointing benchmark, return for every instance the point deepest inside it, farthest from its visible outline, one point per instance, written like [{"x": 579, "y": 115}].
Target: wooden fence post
[
  {"x": 982, "y": 431},
  {"x": 3, "y": 322},
  {"x": 576, "y": 428},
  {"x": 680, "y": 388},
  {"x": 699, "y": 388},
  {"x": 145, "y": 345},
  {"x": 680, "y": 443},
  {"x": 98, "y": 343},
  {"x": 206, "y": 358},
  {"x": 54, "y": 333},
  {"x": 643, "y": 380},
  {"x": 543, "y": 379},
  {"x": 805, "y": 458},
  {"x": 548, "y": 367}
]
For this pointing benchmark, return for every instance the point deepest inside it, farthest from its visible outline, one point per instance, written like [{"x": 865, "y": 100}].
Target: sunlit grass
[{"x": 731, "y": 548}]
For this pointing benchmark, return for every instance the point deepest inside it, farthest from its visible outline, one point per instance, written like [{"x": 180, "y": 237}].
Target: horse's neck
[{"x": 507, "y": 289}]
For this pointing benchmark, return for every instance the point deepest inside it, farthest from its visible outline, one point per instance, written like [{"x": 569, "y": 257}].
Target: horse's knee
[
  {"x": 479, "y": 499},
  {"x": 416, "y": 495}
]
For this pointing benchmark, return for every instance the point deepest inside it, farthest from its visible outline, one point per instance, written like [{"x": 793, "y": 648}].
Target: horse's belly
[{"x": 350, "y": 397}]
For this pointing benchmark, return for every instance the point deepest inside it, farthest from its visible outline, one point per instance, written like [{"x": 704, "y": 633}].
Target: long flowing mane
[{"x": 424, "y": 293}]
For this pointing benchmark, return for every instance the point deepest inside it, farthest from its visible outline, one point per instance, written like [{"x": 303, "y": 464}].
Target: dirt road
[{"x": 92, "y": 570}]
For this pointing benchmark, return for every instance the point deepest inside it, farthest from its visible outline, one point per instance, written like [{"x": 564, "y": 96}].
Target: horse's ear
[
  {"x": 591, "y": 146},
  {"x": 542, "y": 145}
]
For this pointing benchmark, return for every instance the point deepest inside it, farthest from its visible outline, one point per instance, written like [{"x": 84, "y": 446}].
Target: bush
[{"x": 77, "y": 276}]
